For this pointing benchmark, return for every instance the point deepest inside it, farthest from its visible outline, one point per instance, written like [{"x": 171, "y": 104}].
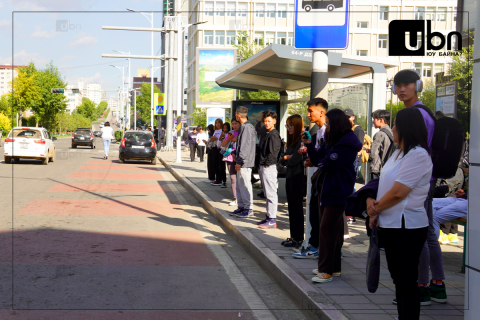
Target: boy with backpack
[{"x": 383, "y": 145}]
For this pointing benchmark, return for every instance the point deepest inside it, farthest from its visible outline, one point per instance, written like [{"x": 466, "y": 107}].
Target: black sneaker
[
  {"x": 261, "y": 195},
  {"x": 224, "y": 185},
  {"x": 425, "y": 296}
]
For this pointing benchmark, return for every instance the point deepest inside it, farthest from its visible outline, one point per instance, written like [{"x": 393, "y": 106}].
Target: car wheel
[
  {"x": 45, "y": 161},
  {"x": 16, "y": 159},
  {"x": 154, "y": 161},
  {"x": 52, "y": 159},
  {"x": 330, "y": 7},
  {"x": 74, "y": 147},
  {"x": 308, "y": 8},
  {"x": 120, "y": 160},
  {"x": 91, "y": 146},
  {"x": 8, "y": 159}
]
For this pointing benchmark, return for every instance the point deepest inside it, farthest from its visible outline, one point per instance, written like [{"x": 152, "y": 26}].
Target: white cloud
[
  {"x": 96, "y": 78},
  {"x": 23, "y": 58},
  {"x": 83, "y": 40},
  {"x": 1, "y": 5},
  {"x": 66, "y": 58},
  {"x": 5, "y": 25},
  {"x": 43, "y": 34}
]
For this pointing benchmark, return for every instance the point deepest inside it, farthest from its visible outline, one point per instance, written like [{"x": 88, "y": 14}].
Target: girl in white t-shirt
[
  {"x": 399, "y": 208},
  {"x": 107, "y": 136}
]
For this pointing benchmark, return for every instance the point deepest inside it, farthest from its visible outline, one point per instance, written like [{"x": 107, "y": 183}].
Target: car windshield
[
  {"x": 85, "y": 132},
  {"x": 26, "y": 133},
  {"x": 136, "y": 136}
]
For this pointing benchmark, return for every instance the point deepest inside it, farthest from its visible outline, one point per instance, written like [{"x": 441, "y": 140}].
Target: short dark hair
[
  {"x": 318, "y": 102},
  {"x": 269, "y": 113},
  {"x": 381, "y": 114},
  {"x": 411, "y": 129},
  {"x": 199, "y": 127},
  {"x": 242, "y": 111},
  {"x": 406, "y": 76},
  {"x": 439, "y": 114},
  {"x": 339, "y": 126},
  {"x": 107, "y": 124},
  {"x": 185, "y": 125},
  {"x": 227, "y": 125}
]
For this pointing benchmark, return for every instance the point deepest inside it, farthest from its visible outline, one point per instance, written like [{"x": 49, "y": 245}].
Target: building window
[
  {"x": 282, "y": 11},
  {"x": 231, "y": 37},
  {"x": 208, "y": 37},
  {"x": 220, "y": 38},
  {"x": 438, "y": 68},
  {"x": 362, "y": 53},
  {"x": 259, "y": 38},
  {"x": 259, "y": 10},
  {"x": 419, "y": 13},
  {"x": 269, "y": 38},
  {"x": 242, "y": 9},
  {"x": 442, "y": 14},
  {"x": 290, "y": 39},
  {"x": 282, "y": 38},
  {"x": 230, "y": 9},
  {"x": 382, "y": 41},
  {"x": 454, "y": 16},
  {"x": 220, "y": 9},
  {"x": 209, "y": 8},
  {"x": 291, "y": 10},
  {"x": 427, "y": 70},
  {"x": 430, "y": 14},
  {"x": 437, "y": 41},
  {"x": 383, "y": 13},
  {"x": 362, "y": 24},
  {"x": 185, "y": 100},
  {"x": 270, "y": 10}
]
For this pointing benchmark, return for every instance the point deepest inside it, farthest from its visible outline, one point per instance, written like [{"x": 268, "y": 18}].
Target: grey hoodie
[{"x": 246, "y": 144}]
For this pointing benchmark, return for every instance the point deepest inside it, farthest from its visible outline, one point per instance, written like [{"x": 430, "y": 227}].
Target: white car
[
  {"x": 29, "y": 143},
  {"x": 101, "y": 125}
]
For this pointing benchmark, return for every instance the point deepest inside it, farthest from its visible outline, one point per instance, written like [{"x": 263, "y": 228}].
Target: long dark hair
[
  {"x": 339, "y": 126},
  {"x": 226, "y": 124},
  {"x": 411, "y": 129},
  {"x": 211, "y": 130},
  {"x": 297, "y": 122}
]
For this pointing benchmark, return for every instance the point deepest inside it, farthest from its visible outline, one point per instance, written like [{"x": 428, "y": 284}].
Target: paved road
[{"x": 96, "y": 239}]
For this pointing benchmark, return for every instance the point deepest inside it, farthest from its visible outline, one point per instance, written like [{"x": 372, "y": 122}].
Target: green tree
[
  {"x": 86, "y": 109},
  {"x": 300, "y": 107},
  {"x": 5, "y": 104},
  {"x": 427, "y": 96},
  {"x": 5, "y": 124},
  {"x": 461, "y": 70},
  {"x": 144, "y": 101},
  {"x": 100, "y": 109},
  {"x": 199, "y": 117},
  {"x": 25, "y": 91},
  {"x": 396, "y": 106}
]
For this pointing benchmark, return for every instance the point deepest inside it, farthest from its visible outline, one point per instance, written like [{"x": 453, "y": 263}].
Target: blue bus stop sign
[{"x": 321, "y": 24}]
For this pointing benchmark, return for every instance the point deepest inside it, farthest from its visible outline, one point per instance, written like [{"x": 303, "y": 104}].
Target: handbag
[{"x": 373, "y": 262}]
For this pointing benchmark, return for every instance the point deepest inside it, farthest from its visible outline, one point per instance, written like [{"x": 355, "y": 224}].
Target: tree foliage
[
  {"x": 25, "y": 91},
  {"x": 300, "y": 107},
  {"x": 199, "y": 117},
  {"x": 144, "y": 101},
  {"x": 87, "y": 109},
  {"x": 5, "y": 124},
  {"x": 69, "y": 122}
]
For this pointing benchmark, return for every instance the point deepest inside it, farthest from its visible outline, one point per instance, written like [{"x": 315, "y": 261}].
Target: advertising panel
[
  {"x": 211, "y": 63},
  {"x": 255, "y": 109},
  {"x": 214, "y": 114},
  {"x": 445, "y": 99},
  {"x": 143, "y": 73}
]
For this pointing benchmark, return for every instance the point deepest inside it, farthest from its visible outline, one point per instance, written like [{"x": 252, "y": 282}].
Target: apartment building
[
  {"x": 74, "y": 99},
  {"x": 272, "y": 22},
  {"x": 6, "y": 72},
  {"x": 94, "y": 92}
]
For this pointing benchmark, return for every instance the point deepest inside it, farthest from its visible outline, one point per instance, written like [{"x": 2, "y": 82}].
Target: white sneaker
[
  {"x": 346, "y": 236},
  {"x": 335, "y": 274},
  {"x": 233, "y": 203},
  {"x": 209, "y": 181}
]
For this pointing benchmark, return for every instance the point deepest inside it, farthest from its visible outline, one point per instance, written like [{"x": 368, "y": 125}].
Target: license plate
[
  {"x": 82, "y": 138},
  {"x": 23, "y": 145},
  {"x": 138, "y": 147}
]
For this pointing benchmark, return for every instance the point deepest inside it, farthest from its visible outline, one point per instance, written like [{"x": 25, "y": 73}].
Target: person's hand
[
  {"x": 371, "y": 210},
  {"x": 238, "y": 167},
  {"x": 204, "y": 141},
  {"x": 306, "y": 141},
  {"x": 286, "y": 158},
  {"x": 308, "y": 163},
  {"x": 373, "y": 221},
  {"x": 460, "y": 193}
]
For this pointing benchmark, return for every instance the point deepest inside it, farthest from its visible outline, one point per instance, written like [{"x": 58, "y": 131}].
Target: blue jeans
[{"x": 106, "y": 146}]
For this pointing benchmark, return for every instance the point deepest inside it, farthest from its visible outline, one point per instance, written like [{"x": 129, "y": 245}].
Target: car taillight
[
  {"x": 9, "y": 140},
  {"x": 153, "y": 144},
  {"x": 91, "y": 137},
  {"x": 41, "y": 141},
  {"x": 123, "y": 142},
  {"x": 73, "y": 136}
]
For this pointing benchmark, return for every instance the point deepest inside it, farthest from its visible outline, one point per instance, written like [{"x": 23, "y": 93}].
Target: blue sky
[{"x": 77, "y": 52}]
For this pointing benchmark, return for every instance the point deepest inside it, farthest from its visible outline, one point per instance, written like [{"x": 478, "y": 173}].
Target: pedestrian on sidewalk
[
  {"x": 334, "y": 183},
  {"x": 202, "y": 139},
  {"x": 245, "y": 158},
  {"x": 192, "y": 143},
  {"x": 382, "y": 140},
  {"x": 261, "y": 135},
  {"x": 399, "y": 208},
  {"x": 269, "y": 151},
  {"x": 230, "y": 159},
  {"x": 107, "y": 136},
  {"x": 217, "y": 157},
  {"x": 210, "y": 154},
  {"x": 317, "y": 109},
  {"x": 223, "y": 136}
]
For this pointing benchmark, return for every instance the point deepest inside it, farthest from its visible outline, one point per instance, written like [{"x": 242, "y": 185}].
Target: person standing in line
[
  {"x": 230, "y": 159},
  {"x": 245, "y": 158},
  {"x": 293, "y": 160},
  {"x": 201, "y": 142},
  {"x": 217, "y": 157},
  {"x": 107, "y": 136},
  {"x": 382, "y": 140},
  {"x": 334, "y": 183},
  {"x": 261, "y": 134},
  {"x": 210, "y": 154},
  {"x": 192, "y": 143},
  {"x": 223, "y": 136},
  {"x": 399, "y": 209},
  {"x": 317, "y": 109},
  {"x": 269, "y": 151}
]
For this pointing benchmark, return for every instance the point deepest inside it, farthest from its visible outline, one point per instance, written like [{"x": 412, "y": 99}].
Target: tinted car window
[
  {"x": 26, "y": 133},
  {"x": 85, "y": 132},
  {"x": 138, "y": 136}
]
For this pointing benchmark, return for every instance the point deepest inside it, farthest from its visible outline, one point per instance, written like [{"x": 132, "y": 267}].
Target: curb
[{"x": 296, "y": 286}]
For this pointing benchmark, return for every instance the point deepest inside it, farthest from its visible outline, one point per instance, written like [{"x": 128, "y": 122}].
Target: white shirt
[
  {"x": 320, "y": 135},
  {"x": 107, "y": 133},
  {"x": 217, "y": 134},
  {"x": 201, "y": 137},
  {"x": 414, "y": 171}
]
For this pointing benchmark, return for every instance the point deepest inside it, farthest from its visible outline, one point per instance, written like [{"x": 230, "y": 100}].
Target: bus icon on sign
[{"x": 330, "y": 5}]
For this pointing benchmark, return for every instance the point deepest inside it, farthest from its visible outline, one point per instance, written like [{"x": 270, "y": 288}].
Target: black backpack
[
  {"x": 447, "y": 145},
  {"x": 391, "y": 148}
]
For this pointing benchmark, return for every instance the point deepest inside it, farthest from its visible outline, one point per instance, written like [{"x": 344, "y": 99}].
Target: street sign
[
  {"x": 160, "y": 108},
  {"x": 321, "y": 24},
  {"x": 57, "y": 90}
]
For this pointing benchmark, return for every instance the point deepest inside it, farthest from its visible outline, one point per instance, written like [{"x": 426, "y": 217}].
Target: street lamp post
[{"x": 128, "y": 88}]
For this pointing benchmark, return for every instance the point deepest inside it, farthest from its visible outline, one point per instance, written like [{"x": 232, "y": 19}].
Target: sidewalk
[{"x": 346, "y": 297}]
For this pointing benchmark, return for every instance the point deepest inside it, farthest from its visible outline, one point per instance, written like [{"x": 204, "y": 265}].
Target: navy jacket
[{"x": 337, "y": 165}]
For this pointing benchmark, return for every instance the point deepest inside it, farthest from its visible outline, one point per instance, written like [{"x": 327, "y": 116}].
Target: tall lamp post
[
  {"x": 128, "y": 87},
  {"x": 122, "y": 90}
]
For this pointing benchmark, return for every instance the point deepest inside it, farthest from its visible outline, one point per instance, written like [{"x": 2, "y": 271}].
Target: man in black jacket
[{"x": 269, "y": 150}]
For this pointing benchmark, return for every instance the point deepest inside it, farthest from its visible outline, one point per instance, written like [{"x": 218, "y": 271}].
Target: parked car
[
  {"x": 97, "y": 133},
  {"x": 29, "y": 143},
  {"x": 101, "y": 125},
  {"x": 138, "y": 145},
  {"x": 83, "y": 137}
]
